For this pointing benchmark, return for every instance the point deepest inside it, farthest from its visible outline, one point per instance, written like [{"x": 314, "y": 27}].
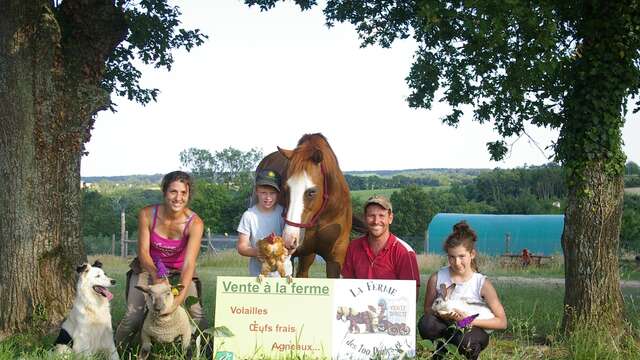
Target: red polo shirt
[{"x": 396, "y": 261}]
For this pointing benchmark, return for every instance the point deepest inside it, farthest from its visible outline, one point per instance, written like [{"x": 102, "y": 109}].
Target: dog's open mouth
[{"x": 103, "y": 291}]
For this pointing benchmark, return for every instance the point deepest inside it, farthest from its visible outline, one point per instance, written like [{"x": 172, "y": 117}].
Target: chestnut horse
[{"x": 317, "y": 203}]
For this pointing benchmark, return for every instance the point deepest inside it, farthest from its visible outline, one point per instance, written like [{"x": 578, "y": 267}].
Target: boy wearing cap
[
  {"x": 262, "y": 219},
  {"x": 380, "y": 254}
]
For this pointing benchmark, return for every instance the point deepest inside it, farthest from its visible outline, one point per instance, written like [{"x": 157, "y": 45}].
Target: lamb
[
  {"x": 445, "y": 307},
  {"x": 162, "y": 326}
]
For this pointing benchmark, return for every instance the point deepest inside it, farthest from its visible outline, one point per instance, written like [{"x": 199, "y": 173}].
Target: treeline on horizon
[
  {"x": 358, "y": 180},
  {"x": 377, "y": 179},
  {"x": 416, "y": 199}
]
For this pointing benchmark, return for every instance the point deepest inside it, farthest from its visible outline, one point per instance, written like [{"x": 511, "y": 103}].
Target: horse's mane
[
  {"x": 306, "y": 149},
  {"x": 313, "y": 137}
]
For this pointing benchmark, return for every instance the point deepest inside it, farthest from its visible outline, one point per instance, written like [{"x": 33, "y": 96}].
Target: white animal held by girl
[{"x": 445, "y": 306}]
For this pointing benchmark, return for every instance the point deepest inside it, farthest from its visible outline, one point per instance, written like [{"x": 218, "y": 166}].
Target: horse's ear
[
  {"x": 316, "y": 157},
  {"x": 285, "y": 153}
]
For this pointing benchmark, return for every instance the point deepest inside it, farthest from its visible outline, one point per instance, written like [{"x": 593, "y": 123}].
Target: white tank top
[{"x": 469, "y": 291}]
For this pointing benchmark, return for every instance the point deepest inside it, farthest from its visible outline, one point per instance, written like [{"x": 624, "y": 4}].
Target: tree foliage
[
  {"x": 153, "y": 31},
  {"x": 630, "y": 230},
  {"x": 228, "y": 166},
  {"x": 219, "y": 207},
  {"x": 515, "y": 62},
  {"x": 631, "y": 181},
  {"x": 535, "y": 190},
  {"x": 412, "y": 210},
  {"x": 397, "y": 181},
  {"x": 538, "y": 190},
  {"x": 631, "y": 168},
  {"x": 98, "y": 214},
  {"x": 101, "y": 209}
]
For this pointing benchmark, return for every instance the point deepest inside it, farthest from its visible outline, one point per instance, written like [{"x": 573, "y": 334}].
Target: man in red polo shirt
[{"x": 380, "y": 254}]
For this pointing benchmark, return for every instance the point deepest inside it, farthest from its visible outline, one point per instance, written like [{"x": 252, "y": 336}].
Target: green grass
[{"x": 534, "y": 313}]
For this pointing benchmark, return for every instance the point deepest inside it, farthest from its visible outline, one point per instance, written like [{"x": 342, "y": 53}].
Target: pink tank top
[{"x": 170, "y": 251}]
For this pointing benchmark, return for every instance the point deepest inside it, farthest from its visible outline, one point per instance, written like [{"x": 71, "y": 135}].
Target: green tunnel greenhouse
[{"x": 501, "y": 234}]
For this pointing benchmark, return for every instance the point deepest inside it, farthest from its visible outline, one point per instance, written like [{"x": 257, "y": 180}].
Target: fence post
[
  {"x": 113, "y": 244},
  {"x": 122, "y": 234},
  {"x": 209, "y": 244},
  {"x": 126, "y": 243},
  {"x": 507, "y": 243},
  {"x": 426, "y": 241}
]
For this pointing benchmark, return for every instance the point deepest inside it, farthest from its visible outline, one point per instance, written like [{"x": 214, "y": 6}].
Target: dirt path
[{"x": 633, "y": 284}]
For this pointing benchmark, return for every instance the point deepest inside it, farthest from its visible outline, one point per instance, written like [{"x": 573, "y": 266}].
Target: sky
[{"x": 264, "y": 79}]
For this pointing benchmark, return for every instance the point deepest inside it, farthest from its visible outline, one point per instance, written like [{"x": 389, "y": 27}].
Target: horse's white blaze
[{"x": 298, "y": 185}]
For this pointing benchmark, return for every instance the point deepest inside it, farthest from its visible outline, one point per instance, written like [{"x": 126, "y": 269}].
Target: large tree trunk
[
  {"x": 50, "y": 71},
  {"x": 590, "y": 147},
  {"x": 590, "y": 242}
]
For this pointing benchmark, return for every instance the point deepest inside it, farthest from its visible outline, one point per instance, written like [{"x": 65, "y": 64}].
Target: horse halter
[{"x": 325, "y": 200}]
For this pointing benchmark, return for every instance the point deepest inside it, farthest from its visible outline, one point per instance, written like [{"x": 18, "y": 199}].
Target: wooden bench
[{"x": 517, "y": 259}]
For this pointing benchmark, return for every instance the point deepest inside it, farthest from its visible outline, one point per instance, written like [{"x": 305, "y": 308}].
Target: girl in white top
[{"x": 470, "y": 286}]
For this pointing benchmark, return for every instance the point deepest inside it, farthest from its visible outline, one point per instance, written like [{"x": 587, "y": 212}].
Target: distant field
[
  {"x": 419, "y": 172},
  {"x": 633, "y": 190},
  {"x": 363, "y": 195}
]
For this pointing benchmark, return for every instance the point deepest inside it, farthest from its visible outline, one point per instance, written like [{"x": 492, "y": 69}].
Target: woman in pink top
[{"x": 169, "y": 233}]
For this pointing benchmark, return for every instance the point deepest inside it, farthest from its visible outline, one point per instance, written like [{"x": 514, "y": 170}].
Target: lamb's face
[{"x": 160, "y": 298}]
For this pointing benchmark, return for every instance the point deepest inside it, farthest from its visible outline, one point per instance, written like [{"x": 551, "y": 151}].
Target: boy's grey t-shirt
[{"x": 258, "y": 225}]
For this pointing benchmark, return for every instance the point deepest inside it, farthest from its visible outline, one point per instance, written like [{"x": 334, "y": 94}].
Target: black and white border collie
[{"x": 87, "y": 330}]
